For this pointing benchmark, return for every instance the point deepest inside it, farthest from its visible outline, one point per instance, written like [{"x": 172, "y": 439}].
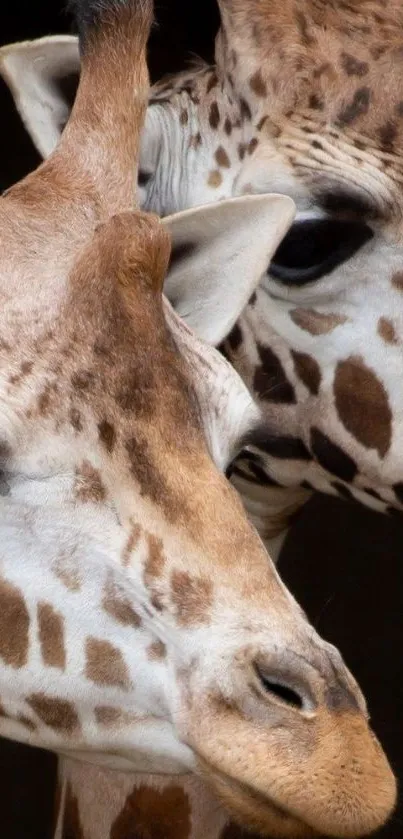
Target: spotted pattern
[
  {"x": 307, "y": 369},
  {"x": 105, "y": 664},
  {"x": 88, "y": 485},
  {"x": 13, "y": 613},
  {"x": 55, "y": 713},
  {"x": 316, "y": 323},
  {"x": 51, "y": 636},
  {"x": 156, "y": 651},
  {"x": 118, "y": 606},
  {"x": 192, "y": 598},
  {"x": 387, "y": 331},
  {"x": 150, "y": 813},
  {"x": 362, "y": 404}
]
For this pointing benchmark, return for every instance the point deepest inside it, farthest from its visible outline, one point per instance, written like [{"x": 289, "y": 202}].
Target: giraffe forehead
[{"x": 318, "y": 72}]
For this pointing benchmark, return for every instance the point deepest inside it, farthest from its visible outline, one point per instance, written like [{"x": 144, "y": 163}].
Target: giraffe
[
  {"x": 305, "y": 100},
  {"x": 143, "y": 626}
]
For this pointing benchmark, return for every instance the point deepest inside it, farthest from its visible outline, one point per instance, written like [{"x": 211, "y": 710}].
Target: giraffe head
[
  {"x": 110, "y": 401},
  {"x": 305, "y": 100}
]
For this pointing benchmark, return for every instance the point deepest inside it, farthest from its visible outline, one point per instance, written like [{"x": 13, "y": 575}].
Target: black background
[{"x": 342, "y": 562}]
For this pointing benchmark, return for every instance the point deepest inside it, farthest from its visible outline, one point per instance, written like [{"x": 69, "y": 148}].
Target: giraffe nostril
[{"x": 281, "y": 691}]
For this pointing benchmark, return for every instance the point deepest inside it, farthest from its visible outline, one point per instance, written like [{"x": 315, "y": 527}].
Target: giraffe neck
[{"x": 97, "y": 803}]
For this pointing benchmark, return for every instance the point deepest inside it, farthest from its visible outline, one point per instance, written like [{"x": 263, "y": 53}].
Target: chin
[{"x": 255, "y": 812}]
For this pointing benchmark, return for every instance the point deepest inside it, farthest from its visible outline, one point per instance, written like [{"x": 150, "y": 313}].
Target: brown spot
[
  {"x": 388, "y": 133},
  {"x": 14, "y": 625},
  {"x": 55, "y": 713},
  {"x": 72, "y": 827},
  {"x": 315, "y": 102},
  {"x": 258, "y": 85},
  {"x": 154, "y": 814},
  {"x": 51, "y": 636},
  {"x": 184, "y": 117},
  {"x": 67, "y": 571},
  {"x": 45, "y": 399},
  {"x": 270, "y": 381},
  {"x": 156, "y": 603},
  {"x": 25, "y": 369},
  {"x": 155, "y": 561},
  {"x": 117, "y": 605},
  {"x": 131, "y": 544},
  {"x": 245, "y": 111},
  {"x": 195, "y": 141},
  {"x": 109, "y": 716},
  {"x": 214, "y": 116},
  {"x": 316, "y": 323},
  {"x": 222, "y": 157},
  {"x": 192, "y": 598},
  {"x": 352, "y": 66},
  {"x": 377, "y": 51},
  {"x": 242, "y": 147},
  {"x": 75, "y": 419},
  {"x": 228, "y": 126},
  {"x": 387, "y": 331},
  {"x": 136, "y": 394},
  {"x": 362, "y": 404},
  {"x": 262, "y": 122},
  {"x": 83, "y": 380},
  {"x": 356, "y": 108},
  {"x": 26, "y": 722},
  {"x": 156, "y": 651},
  {"x": 308, "y": 370},
  {"x": 215, "y": 179},
  {"x": 88, "y": 486},
  {"x": 397, "y": 280},
  {"x": 399, "y": 109},
  {"x": 107, "y": 435},
  {"x": 253, "y": 145},
  {"x": 105, "y": 664},
  {"x": 212, "y": 82},
  {"x": 146, "y": 469}
]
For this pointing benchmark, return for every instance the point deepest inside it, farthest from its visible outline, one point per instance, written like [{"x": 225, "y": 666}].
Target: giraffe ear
[
  {"x": 43, "y": 77},
  {"x": 219, "y": 254}
]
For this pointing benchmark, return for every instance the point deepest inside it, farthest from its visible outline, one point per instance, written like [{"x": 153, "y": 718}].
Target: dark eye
[{"x": 315, "y": 247}]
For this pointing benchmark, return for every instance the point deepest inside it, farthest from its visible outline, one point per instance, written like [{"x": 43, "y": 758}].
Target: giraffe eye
[{"x": 314, "y": 247}]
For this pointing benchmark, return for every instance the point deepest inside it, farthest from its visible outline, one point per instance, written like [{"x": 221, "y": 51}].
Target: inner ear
[{"x": 42, "y": 76}]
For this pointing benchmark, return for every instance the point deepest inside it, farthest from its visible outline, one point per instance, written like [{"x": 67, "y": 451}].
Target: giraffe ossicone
[{"x": 144, "y": 625}]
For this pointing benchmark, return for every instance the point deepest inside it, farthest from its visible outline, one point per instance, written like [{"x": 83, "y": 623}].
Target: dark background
[{"x": 342, "y": 562}]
